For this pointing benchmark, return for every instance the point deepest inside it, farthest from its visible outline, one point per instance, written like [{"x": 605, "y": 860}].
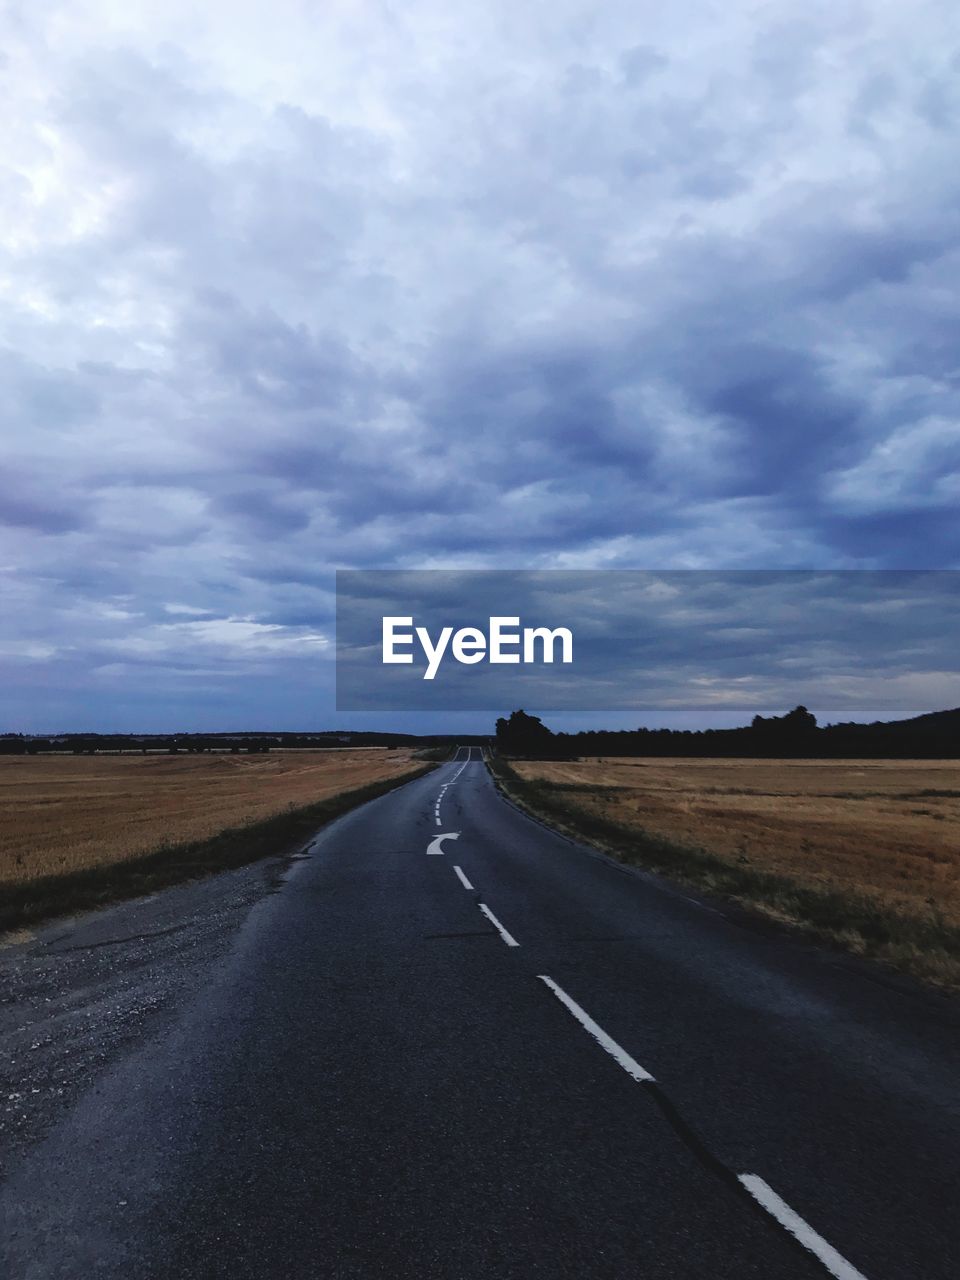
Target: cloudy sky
[
  {"x": 295, "y": 286},
  {"x": 689, "y": 647}
]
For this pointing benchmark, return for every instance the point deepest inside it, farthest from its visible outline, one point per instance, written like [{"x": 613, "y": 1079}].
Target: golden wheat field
[
  {"x": 60, "y": 814},
  {"x": 890, "y": 829}
]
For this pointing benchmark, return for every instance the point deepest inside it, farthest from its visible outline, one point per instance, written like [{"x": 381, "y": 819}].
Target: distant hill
[{"x": 936, "y": 720}]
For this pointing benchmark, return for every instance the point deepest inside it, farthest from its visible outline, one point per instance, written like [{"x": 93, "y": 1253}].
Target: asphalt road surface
[{"x": 501, "y": 1055}]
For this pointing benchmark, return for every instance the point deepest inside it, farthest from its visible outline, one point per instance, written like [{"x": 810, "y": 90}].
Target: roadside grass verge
[
  {"x": 925, "y": 946},
  {"x": 85, "y": 890}
]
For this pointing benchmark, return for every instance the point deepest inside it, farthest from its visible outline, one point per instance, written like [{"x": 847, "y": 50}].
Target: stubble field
[
  {"x": 866, "y": 852},
  {"x": 891, "y": 828},
  {"x": 61, "y": 815}
]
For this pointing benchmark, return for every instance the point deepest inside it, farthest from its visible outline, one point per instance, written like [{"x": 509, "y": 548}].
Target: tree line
[{"x": 795, "y": 734}]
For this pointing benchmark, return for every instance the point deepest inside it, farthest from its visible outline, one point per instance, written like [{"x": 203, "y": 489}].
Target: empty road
[{"x": 453, "y": 1044}]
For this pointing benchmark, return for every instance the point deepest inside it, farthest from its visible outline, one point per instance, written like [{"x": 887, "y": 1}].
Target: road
[{"x": 499, "y": 1054}]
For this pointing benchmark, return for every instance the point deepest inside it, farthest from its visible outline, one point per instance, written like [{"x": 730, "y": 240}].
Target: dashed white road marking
[
  {"x": 508, "y": 938},
  {"x": 762, "y": 1193},
  {"x": 443, "y": 788},
  {"x": 765, "y": 1196},
  {"x": 619, "y": 1054}
]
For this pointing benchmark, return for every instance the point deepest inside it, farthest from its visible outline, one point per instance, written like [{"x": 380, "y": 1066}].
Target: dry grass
[
  {"x": 866, "y": 852},
  {"x": 888, "y": 828},
  {"x": 62, "y": 815}
]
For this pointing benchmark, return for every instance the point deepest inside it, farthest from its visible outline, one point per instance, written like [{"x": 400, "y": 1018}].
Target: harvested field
[
  {"x": 891, "y": 828},
  {"x": 864, "y": 851},
  {"x": 62, "y": 815}
]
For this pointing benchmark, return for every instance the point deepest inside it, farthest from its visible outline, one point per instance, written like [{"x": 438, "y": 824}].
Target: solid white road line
[
  {"x": 834, "y": 1262},
  {"x": 508, "y": 938},
  {"x": 463, "y": 879},
  {"x": 630, "y": 1066}
]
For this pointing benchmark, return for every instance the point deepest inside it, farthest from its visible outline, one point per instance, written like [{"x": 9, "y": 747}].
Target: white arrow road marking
[{"x": 435, "y": 843}]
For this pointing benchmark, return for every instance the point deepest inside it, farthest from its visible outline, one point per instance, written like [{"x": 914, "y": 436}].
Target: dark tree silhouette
[
  {"x": 795, "y": 722},
  {"x": 523, "y": 735}
]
